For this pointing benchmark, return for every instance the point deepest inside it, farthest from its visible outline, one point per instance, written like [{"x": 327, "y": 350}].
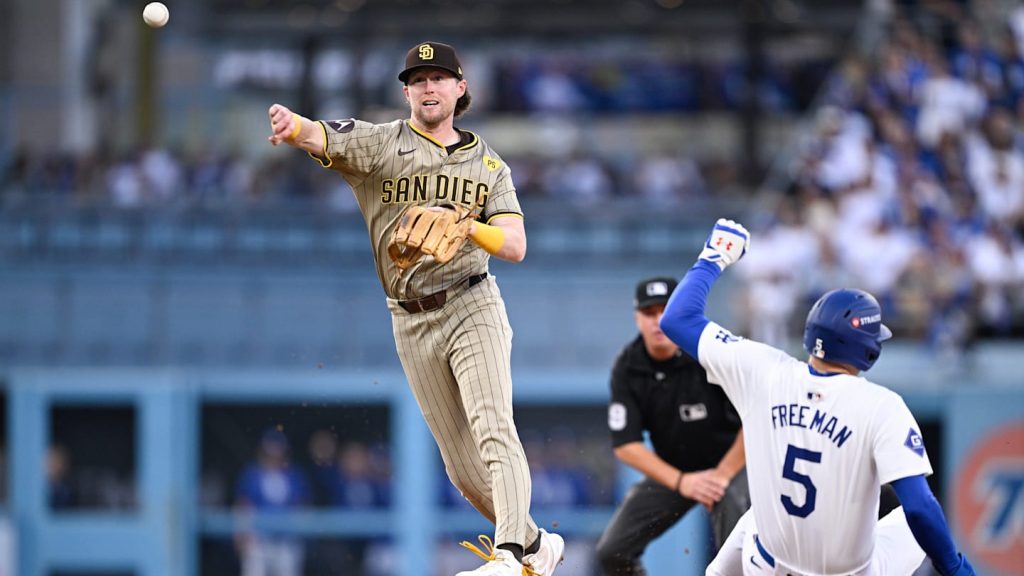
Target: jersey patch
[
  {"x": 915, "y": 442},
  {"x": 616, "y": 416},
  {"x": 492, "y": 164},
  {"x": 341, "y": 126},
  {"x": 693, "y": 412}
]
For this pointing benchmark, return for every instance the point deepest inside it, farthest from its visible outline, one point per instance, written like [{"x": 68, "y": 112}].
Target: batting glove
[{"x": 727, "y": 243}]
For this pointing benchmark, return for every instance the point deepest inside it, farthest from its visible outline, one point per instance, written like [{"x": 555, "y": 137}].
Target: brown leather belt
[{"x": 437, "y": 299}]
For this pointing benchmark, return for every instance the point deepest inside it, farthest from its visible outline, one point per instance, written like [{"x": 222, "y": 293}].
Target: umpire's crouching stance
[{"x": 698, "y": 444}]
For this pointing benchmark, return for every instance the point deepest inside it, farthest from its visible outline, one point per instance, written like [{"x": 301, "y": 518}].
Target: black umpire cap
[
  {"x": 653, "y": 291},
  {"x": 433, "y": 54}
]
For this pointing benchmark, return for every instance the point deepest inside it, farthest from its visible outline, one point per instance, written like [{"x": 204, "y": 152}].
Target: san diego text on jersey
[{"x": 439, "y": 186}]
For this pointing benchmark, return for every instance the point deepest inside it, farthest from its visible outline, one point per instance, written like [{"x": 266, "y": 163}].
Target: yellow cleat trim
[
  {"x": 487, "y": 554},
  {"x": 487, "y": 544}
]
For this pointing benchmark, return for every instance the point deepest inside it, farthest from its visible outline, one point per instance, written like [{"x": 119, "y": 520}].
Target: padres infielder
[
  {"x": 819, "y": 439},
  {"x": 449, "y": 321}
]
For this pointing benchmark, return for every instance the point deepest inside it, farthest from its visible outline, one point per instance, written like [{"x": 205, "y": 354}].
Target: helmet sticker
[
  {"x": 819, "y": 348},
  {"x": 859, "y": 321}
]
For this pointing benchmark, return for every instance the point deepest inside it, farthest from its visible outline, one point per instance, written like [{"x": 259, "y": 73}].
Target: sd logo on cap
[{"x": 434, "y": 54}]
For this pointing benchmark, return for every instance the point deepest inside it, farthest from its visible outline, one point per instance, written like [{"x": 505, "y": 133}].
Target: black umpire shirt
[{"x": 691, "y": 423}]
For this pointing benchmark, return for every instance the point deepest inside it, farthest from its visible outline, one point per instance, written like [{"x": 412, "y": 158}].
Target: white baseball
[{"x": 155, "y": 14}]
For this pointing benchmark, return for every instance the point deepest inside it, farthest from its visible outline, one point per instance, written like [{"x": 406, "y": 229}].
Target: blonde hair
[{"x": 463, "y": 103}]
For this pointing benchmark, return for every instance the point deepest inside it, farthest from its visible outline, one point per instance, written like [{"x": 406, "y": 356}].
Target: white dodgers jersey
[{"x": 818, "y": 448}]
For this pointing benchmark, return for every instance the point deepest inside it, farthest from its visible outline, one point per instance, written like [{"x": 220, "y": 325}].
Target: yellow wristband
[
  {"x": 490, "y": 238},
  {"x": 298, "y": 126}
]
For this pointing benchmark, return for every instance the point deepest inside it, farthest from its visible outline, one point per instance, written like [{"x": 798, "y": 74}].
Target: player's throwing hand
[
  {"x": 284, "y": 124},
  {"x": 727, "y": 243}
]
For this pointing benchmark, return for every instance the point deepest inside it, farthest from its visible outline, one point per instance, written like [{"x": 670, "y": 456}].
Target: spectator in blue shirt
[{"x": 270, "y": 485}]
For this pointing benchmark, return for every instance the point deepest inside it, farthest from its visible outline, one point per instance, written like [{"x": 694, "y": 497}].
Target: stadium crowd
[
  {"x": 568, "y": 470},
  {"x": 911, "y": 186},
  {"x": 354, "y": 475},
  {"x": 543, "y": 86},
  {"x": 653, "y": 81},
  {"x": 164, "y": 178}
]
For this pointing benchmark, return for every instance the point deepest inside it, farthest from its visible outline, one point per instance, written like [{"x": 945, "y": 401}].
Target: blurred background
[{"x": 185, "y": 310}]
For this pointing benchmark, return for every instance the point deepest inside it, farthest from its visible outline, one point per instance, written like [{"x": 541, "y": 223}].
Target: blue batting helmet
[{"x": 845, "y": 326}]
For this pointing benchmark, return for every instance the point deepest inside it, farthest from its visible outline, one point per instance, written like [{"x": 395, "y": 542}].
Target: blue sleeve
[
  {"x": 684, "y": 320},
  {"x": 928, "y": 523}
]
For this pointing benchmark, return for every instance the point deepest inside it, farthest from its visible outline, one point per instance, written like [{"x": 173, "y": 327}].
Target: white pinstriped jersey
[
  {"x": 393, "y": 165},
  {"x": 817, "y": 447}
]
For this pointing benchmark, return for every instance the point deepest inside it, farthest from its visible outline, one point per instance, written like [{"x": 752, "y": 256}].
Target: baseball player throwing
[
  {"x": 451, "y": 330},
  {"x": 819, "y": 439}
]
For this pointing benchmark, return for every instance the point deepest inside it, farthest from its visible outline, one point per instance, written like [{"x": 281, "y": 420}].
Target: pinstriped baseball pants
[{"x": 456, "y": 359}]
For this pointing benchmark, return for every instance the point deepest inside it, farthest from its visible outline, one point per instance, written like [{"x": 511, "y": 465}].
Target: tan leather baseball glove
[{"x": 437, "y": 231}]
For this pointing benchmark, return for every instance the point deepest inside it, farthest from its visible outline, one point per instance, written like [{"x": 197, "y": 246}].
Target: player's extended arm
[
  {"x": 294, "y": 130},
  {"x": 504, "y": 237},
  {"x": 928, "y": 524},
  {"x": 702, "y": 487},
  {"x": 684, "y": 320}
]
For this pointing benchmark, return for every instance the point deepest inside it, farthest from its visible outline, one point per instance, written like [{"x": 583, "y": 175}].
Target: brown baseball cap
[{"x": 433, "y": 54}]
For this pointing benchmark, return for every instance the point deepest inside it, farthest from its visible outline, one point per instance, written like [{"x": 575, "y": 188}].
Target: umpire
[{"x": 698, "y": 443}]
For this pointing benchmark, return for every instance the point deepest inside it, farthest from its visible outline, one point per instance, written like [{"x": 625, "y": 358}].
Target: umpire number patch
[{"x": 616, "y": 416}]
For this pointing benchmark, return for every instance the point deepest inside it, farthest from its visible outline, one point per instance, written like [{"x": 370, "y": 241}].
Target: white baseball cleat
[
  {"x": 499, "y": 562},
  {"x": 545, "y": 560}
]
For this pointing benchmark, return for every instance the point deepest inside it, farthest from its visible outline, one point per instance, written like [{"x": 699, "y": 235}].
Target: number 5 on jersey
[{"x": 789, "y": 473}]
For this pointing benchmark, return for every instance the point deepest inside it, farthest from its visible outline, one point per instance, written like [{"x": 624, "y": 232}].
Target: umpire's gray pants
[{"x": 649, "y": 510}]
